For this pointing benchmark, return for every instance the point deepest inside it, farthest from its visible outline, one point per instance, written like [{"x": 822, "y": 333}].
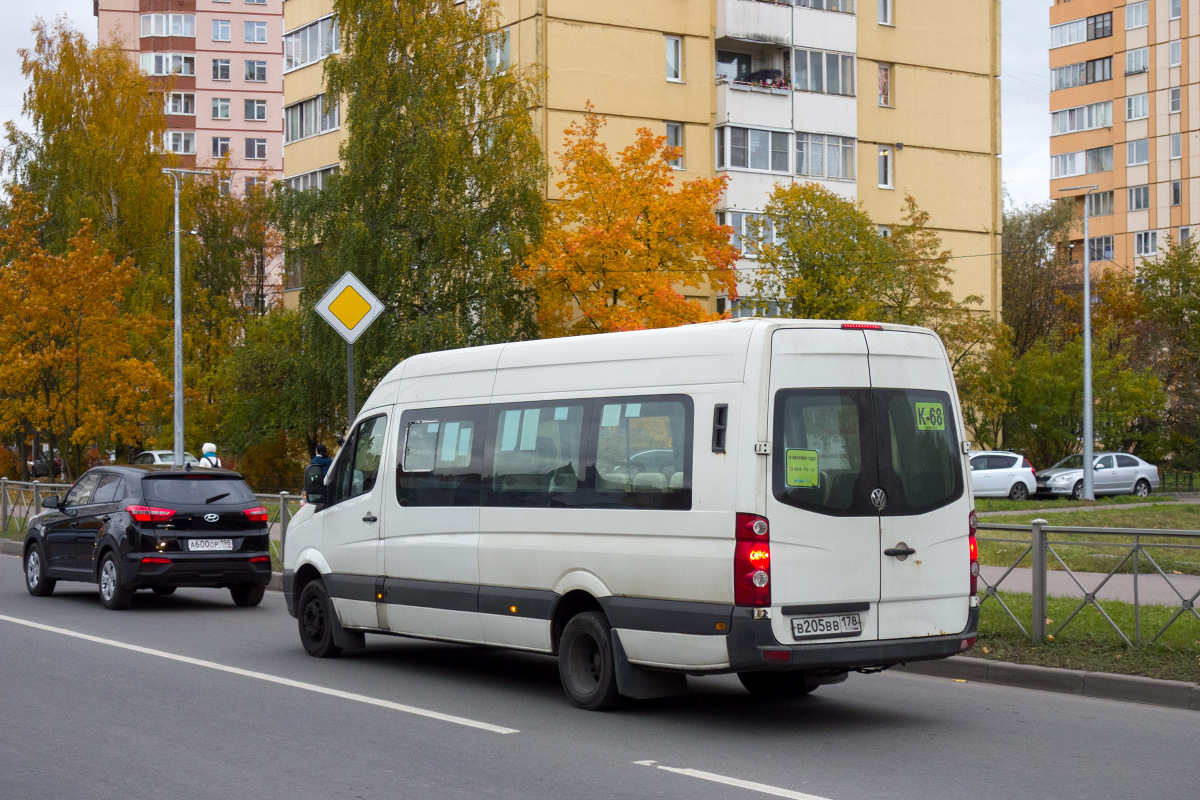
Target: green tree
[
  {"x": 439, "y": 189},
  {"x": 819, "y": 256},
  {"x": 1036, "y": 269}
]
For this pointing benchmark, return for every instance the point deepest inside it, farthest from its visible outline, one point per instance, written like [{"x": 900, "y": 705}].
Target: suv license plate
[
  {"x": 209, "y": 545},
  {"x": 831, "y": 625}
]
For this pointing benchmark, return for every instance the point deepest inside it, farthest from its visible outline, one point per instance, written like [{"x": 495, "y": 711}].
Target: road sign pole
[{"x": 350, "y": 380}]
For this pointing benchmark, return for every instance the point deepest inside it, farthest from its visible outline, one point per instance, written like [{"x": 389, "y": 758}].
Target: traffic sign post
[{"x": 349, "y": 308}]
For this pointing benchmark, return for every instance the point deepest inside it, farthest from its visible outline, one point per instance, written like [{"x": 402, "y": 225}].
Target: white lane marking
[
  {"x": 741, "y": 784},
  {"x": 262, "y": 676}
]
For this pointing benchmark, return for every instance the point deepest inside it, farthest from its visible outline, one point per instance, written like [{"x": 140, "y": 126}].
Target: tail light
[
  {"x": 258, "y": 514},
  {"x": 155, "y": 560},
  {"x": 973, "y": 550},
  {"x": 260, "y": 559},
  {"x": 752, "y": 561},
  {"x": 150, "y": 513},
  {"x": 861, "y": 326}
]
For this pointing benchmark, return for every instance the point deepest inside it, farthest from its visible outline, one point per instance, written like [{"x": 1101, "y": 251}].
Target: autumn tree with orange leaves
[
  {"x": 624, "y": 239},
  {"x": 70, "y": 373}
]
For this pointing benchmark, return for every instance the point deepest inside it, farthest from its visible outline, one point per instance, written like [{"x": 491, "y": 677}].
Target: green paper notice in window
[
  {"x": 802, "y": 472},
  {"x": 930, "y": 417}
]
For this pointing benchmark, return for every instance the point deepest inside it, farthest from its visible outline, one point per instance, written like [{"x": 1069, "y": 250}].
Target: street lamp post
[
  {"x": 1089, "y": 485},
  {"x": 176, "y": 175}
]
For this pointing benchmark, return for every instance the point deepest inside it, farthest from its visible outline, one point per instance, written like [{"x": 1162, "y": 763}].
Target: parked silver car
[
  {"x": 1115, "y": 473},
  {"x": 999, "y": 473}
]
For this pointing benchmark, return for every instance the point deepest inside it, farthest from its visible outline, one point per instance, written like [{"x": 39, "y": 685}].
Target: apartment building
[
  {"x": 222, "y": 59},
  {"x": 1124, "y": 118},
  {"x": 872, "y": 99}
]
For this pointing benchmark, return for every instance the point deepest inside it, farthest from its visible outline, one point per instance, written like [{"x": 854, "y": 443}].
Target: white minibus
[{"x": 786, "y": 500}]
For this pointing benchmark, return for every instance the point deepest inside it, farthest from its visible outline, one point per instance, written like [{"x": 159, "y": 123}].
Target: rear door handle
[
  {"x": 370, "y": 518},
  {"x": 899, "y": 551}
]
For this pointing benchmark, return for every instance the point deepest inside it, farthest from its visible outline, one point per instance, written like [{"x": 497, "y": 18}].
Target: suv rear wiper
[{"x": 217, "y": 497}]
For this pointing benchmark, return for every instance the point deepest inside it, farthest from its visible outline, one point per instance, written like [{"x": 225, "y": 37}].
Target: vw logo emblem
[
  {"x": 879, "y": 499},
  {"x": 215, "y": 517}
]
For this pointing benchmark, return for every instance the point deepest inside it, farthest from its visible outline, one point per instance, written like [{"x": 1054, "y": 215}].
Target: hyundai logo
[
  {"x": 879, "y": 499},
  {"x": 215, "y": 517}
]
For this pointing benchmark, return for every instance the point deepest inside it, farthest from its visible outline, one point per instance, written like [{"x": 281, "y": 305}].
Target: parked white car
[
  {"x": 1115, "y": 473},
  {"x": 999, "y": 473},
  {"x": 162, "y": 457}
]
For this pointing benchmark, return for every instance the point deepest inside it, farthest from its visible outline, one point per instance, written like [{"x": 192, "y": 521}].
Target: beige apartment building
[
  {"x": 1124, "y": 117},
  {"x": 872, "y": 99}
]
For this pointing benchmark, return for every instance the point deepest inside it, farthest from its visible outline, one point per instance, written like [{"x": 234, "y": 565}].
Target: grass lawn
[
  {"x": 985, "y": 504},
  {"x": 1089, "y": 642},
  {"x": 1090, "y": 557}
]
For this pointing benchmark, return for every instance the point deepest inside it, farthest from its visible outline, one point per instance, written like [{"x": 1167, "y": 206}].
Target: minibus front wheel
[{"x": 585, "y": 662}]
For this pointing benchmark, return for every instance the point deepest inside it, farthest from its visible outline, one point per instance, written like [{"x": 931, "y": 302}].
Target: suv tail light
[
  {"x": 973, "y": 550},
  {"x": 752, "y": 561},
  {"x": 150, "y": 513},
  {"x": 258, "y": 514}
]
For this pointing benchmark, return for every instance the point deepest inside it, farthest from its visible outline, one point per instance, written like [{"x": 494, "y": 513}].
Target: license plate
[
  {"x": 828, "y": 625},
  {"x": 209, "y": 545}
]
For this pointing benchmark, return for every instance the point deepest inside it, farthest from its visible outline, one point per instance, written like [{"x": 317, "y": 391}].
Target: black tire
[
  {"x": 163, "y": 589},
  {"x": 35, "y": 572},
  {"x": 314, "y": 617},
  {"x": 247, "y": 594},
  {"x": 585, "y": 662},
  {"x": 1142, "y": 488},
  {"x": 112, "y": 594},
  {"x": 775, "y": 685},
  {"x": 1077, "y": 491},
  {"x": 1019, "y": 491}
]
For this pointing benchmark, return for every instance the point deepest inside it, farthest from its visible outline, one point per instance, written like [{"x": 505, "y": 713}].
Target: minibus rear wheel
[
  {"x": 776, "y": 685},
  {"x": 585, "y": 662}
]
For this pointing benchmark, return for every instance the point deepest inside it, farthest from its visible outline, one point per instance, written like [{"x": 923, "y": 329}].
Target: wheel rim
[
  {"x": 584, "y": 664},
  {"x": 314, "y": 619},
  {"x": 1142, "y": 490},
  {"x": 108, "y": 580},
  {"x": 33, "y": 569}
]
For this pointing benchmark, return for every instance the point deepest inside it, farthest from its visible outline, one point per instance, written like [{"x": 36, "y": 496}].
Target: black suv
[{"x": 136, "y": 527}]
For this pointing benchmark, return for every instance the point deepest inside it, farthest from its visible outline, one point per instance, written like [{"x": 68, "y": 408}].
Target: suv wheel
[
  {"x": 248, "y": 594},
  {"x": 35, "y": 572},
  {"x": 112, "y": 595}
]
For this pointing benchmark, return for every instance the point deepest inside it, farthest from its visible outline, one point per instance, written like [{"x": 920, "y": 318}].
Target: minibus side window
[
  {"x": 440, "y": 455},
  {"x": 536, "y": 455},
  {"x": 643, "y": 452},
  {"x": 357, "y": 466}
]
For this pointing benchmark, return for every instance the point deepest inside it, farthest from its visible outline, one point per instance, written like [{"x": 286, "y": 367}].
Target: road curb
[{"x": 1107, "y": 685}]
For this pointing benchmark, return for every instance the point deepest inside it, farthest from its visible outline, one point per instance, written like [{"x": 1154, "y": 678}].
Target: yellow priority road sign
[{"x": 349, "y": 307}]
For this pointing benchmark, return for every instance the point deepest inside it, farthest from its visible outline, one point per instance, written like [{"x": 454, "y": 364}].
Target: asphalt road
[{"x": 190, "y": 697}]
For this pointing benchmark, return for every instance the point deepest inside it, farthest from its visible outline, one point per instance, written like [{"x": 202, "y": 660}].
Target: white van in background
[{"x": 783, "y": 499}]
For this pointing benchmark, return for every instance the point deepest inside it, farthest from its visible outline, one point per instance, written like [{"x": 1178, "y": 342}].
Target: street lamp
[
  {"x": 1089, "y": 492},
  {"x": 176, "y": 175}
]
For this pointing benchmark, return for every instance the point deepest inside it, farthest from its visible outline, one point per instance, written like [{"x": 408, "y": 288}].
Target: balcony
[
  {"x": 755, "y": 103},
  {"x": 755, "y": 21}
]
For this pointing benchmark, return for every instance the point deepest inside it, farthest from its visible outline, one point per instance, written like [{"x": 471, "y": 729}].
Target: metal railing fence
[
  {"x": 1040, "y": 548},
  {"x": 1178, "y": 482}
]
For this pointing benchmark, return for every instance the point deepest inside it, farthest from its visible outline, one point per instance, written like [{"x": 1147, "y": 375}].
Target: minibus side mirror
[{"x": 314, "y": 485}]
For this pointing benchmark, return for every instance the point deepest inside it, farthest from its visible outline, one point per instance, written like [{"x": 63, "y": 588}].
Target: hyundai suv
[{"x": 140, "y": 527}]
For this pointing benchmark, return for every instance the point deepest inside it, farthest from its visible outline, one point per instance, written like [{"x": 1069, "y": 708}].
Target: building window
[
  {"x": 821, "y": 156},
  {"x": 256, "y": 71},
  {"x": 733, "y": 66},
  {"x": 1139, "y": 198},
  {"x": 1098, "y": 159},
  {"x": 1175, "y": 53},
  {"x": 1137, "y": 152},
  {"x": 256, "y": 110},
  {"x": 498, "y": 50},
  {"x": 1145, "y": 243},
  {"x": 844, "y": 6},
  {"x": 220, "y": 146},
  {"x": 885, "y": 168},
  {"x": 885, "y": 85},
  {"x": 743, "y": 236},
  {"x": 221, "y": 30},
  {"x": 1137, "y": 15},
  {"x": 674, "y": 58},
  {"x": 1185, "y": 233},
  {"x": 1099, "y": 26},
  {"x": 1176, "y": 100},
  {"x": 220, "y": 108},
  {"x": 181, "y": 103},
  {"x": 224, "y": 185},
  {"x": 1176, "y": 9},
  {"x": 1176, "y": 193},
  {"x": 885, "y": 12},
  {"x": 1137, "y": 106},
  {"x": 885, "y": 231},
  {"x": 675, "y": 139},
  {"x": 168, "y": 25},
  {"x": 180, "y": 142},
  {"x": 256, "y": 32},
  {"x": 1176, "y": 145},
  {"x": 1137, "y": 60},
  {"x": 1081, "y": 30},
  {"x": 220, "y": 69},
  {"x": 310, "y": 43},
  {"x": 256, "y": 149},
  {"x": 1081, "y": 118},
  {"x": 252, "y": 183},
  {"x": 1099, "y": 204},
  {"x": 168, "y": 64},
  {"x": 309, "y": 118},
  {"x": 256, "y": 2},
  {"x": 1100, "y": 248},
  {"x": 310, "y": 180},
  {"x": 754, "y": 149},
  {"x": 828, "y": 73},
  {"x": 1085, "y": 72}
]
